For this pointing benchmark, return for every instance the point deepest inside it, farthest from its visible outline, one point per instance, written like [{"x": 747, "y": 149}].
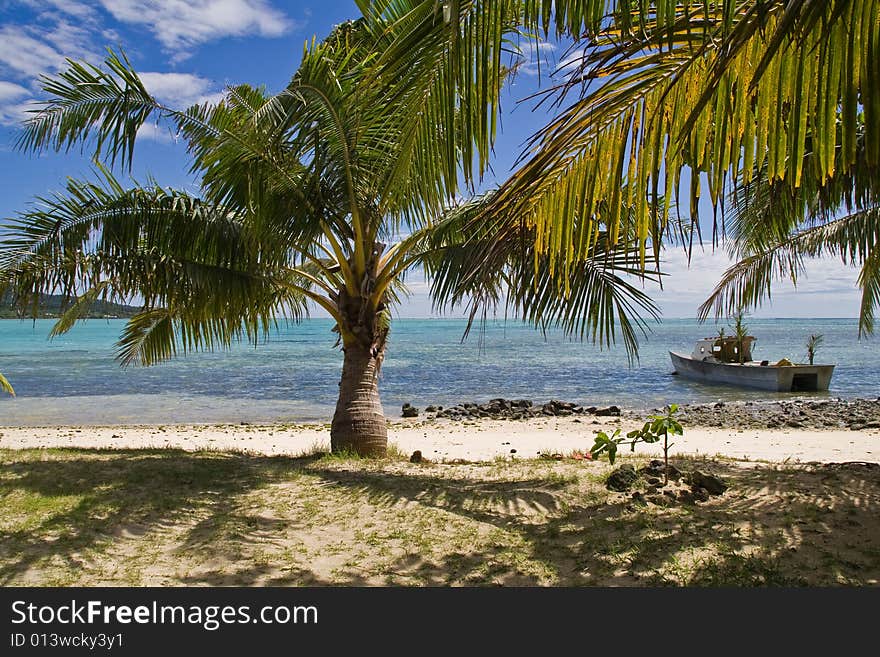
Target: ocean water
[{"x": 293, "y": 376}]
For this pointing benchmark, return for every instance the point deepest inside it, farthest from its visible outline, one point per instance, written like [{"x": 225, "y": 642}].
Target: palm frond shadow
[
  {"x": 157, "y": 487},
  {"x": 774, "y": 527}
]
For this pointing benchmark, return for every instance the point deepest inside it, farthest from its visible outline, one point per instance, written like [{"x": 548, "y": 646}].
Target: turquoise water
[{"x": 293, "y": 377}]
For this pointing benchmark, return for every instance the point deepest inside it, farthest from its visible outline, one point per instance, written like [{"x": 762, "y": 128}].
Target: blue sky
[{"x": 187, "y": 50}]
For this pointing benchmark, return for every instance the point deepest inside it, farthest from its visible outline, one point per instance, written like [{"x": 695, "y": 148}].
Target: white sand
[{"x": 443, "y": 440}]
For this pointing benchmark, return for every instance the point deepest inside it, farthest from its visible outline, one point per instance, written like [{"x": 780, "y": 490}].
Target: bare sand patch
[{"x": 446, "y": 440}]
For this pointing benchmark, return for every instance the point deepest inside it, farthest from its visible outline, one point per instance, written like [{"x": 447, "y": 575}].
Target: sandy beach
[{"x": 440, "y": 440}]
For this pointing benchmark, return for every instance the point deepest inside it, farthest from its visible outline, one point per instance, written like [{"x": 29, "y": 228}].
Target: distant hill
[{"x": 50, "y": 306}]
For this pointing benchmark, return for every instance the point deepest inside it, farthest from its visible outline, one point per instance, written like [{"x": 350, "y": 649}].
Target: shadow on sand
[{"x": 208, "y": 519}]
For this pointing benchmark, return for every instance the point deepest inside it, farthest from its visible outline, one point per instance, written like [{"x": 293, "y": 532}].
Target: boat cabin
[{"x": 723, "y": 350}]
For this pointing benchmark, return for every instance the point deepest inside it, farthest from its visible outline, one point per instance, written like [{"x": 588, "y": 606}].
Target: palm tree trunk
[{"x": 359, "y": 422}]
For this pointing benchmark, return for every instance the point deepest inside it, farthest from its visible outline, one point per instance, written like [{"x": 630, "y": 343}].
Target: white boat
[{"x": 717, "y": 360}]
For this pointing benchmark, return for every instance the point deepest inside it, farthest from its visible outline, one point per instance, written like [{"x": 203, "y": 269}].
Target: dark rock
[
  {"x": 622, "y": 479},
  {"x": 408, "y": 410},
  {"x": 653, "y": 480},
  {"x": 611, "y": 411},
  {"x": 794, "y": 424},
  {"x": 432, "y": 409},
  {"x": 655, "y": 470},
  {"x": 700, "y": 494},
  {"x": 639, "y": 499},
  {"x": 709, "y": 482},
  {"x": 416, "y": 457},
  {"x": 659, "y": 500}
]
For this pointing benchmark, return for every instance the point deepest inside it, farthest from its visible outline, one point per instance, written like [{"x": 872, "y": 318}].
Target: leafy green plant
[
  {"x": 608, "y": 444},
  {"x": 813, "y": 344},
  {"x": 657, "y": 427}
]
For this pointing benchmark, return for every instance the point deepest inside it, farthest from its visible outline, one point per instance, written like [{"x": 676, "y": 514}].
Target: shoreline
[{"x": 478, "y": 440}]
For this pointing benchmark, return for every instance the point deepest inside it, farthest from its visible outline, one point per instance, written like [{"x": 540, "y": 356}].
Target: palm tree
[
  {"x": 302, "y": 194},
  {"x": 813, "y": 343},
  {"x": 740, "y": 332}
]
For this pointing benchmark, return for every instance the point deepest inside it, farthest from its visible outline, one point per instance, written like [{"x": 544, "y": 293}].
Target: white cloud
[
  {"x": 75, "y": 8},
  {"x": 11, "y": 91},
  {"x": 536, "y": 58},
  {"x": 827, "y": 289},
  {"x": 28, "y": 51},
  {"x": 571, "y": 60},
  {"x": 14, "y": 103},
  {"x": 153, "y": 132},
  {"x": 181, "y": 24},
  {"x": 68, "y": 39},
  {"x": 27, "y": 55},
  {"x": 180, "y": 90}
]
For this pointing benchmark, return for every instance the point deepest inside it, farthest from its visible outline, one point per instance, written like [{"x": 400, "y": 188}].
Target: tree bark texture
[{"x": 359, "y": 422}]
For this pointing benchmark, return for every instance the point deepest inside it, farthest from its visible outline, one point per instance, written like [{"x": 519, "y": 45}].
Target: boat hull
[{"x": 786, "y": 378}]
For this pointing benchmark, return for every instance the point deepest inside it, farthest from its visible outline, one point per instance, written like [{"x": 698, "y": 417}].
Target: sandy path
[{"x": 442, "y": 440}]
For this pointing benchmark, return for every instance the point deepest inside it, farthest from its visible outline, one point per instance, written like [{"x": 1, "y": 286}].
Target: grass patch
[{"x": 170, "y": 517}]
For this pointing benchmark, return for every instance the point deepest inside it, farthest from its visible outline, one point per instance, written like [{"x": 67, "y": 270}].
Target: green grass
[{"x": 169, "y": 517}]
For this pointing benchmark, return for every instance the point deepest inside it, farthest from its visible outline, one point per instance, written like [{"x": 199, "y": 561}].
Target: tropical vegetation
[
  {"x": 323, "y": 195},
  {"x": 813, "y": 343},
  {"x": 670, "y": 101}
]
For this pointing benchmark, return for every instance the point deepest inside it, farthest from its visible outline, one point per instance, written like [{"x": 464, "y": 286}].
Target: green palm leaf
[
  {"x": 852, "y": 238},
  {"x": 6, "y": 386},
  {"x": 705, "y": 91},
  {"x": 489, "y": 266}
]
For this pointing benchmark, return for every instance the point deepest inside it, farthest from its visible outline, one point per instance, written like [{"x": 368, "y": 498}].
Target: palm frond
[
  {"x": 205, "y": 266},
  {"x": 488, "y": 266},
  {"x": 747, "y": 283},
  {"x": 676, "y": 90},
  {"x": 78, "y": 309},
  {"x": 6, "y": 386},
  {"x": 148, "y": 338},
  {"x": 869, "y": 282},
  {"x": 86, "y": 101}
]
